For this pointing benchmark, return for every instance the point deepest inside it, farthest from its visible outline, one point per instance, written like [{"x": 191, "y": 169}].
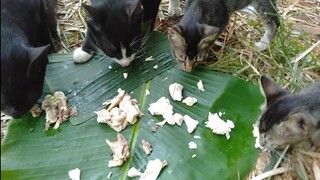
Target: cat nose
[{"x": 188, "y": 66}]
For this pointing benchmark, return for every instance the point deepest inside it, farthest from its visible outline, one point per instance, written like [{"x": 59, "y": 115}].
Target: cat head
[
  {"x": 284, "y": 119},
  {"x": 189, "y": 46},
  {"x": 116, "y": 28},
  {"x": 22, "y": 77}
]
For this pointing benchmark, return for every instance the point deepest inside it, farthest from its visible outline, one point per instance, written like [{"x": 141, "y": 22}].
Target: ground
[{"x": 293, "y": 59}]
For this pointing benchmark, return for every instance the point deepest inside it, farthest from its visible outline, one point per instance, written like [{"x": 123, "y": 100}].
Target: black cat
[
  {"x": 117, "y": 27},
  {"x": 26, "y": 30}
]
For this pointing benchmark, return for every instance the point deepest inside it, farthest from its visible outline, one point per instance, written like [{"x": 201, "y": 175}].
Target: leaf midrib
[{"x": 135, "y": 130}]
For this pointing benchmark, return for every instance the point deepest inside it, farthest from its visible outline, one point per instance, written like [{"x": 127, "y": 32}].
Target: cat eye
[
  {"x": 177, "y": 59},
  {"x": 181, "y": 58},
  {"x": 200, "y": 57},
  {"x": 301, "y": 123}
]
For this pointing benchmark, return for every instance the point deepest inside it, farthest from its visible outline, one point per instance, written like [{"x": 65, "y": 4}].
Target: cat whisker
[
  {"x": 144, "y": 40},
  {"x": 139, "y": 55},
  {"x": 136, "y": 39},
  {"x": 97, "y": 49}
]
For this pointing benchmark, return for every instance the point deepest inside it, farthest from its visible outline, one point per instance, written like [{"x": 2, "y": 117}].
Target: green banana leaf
[
  {"x": 88, "y": 85},
  {"x": 29, "y": 152}
]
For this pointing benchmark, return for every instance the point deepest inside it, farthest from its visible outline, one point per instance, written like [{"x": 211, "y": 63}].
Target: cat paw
[
  {"x": 80, "y": 56},
  {"x": 261, "y": 46},
  {"x": 174, "y": 11}
]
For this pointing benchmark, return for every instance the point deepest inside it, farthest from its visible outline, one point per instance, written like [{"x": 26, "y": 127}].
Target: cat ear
[
  {"x": 298, "y": 124},
  {"x": 207, "y": 30},
  {"x": 208, "y": 33},
  {"x": 37, "y": 58},
  {"x": 134, "y": 6},
  {"x": 175, "y": 36},
  {"x": 91, "y": 11},
  {"x": 271, "y": 90}
]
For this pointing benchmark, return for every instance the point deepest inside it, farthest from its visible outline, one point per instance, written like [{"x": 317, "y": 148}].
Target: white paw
[
  {"x": 261, "y": 46},
  {"x": 80, "y": 56},
  {"x": 174, "y": 11}
]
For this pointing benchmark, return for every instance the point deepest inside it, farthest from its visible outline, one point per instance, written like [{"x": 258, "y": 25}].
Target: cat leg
[
  {"x": 49, "y": 18},
  {"x": 174, "y": 8},
  {"x": 150, "y": 11},
  {"x": 54, "y": 37},
  {"x": 84, "y": 53},
  {"x": 268, "y": 14}
]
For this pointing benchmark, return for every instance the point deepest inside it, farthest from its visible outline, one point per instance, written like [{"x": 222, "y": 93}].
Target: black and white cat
[
  {"x": 204, "y": 20},
  {"x": 27, "y": 28},
  {"x": 289, "y": 119},
  {"x": 118, "y": 28}
]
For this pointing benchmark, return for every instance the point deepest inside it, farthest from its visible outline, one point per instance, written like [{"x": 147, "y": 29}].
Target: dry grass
[
  {"x": 297, "y": 163},
  {"x": 71, "y": 24},
  {"x": 238, "y": 57}
]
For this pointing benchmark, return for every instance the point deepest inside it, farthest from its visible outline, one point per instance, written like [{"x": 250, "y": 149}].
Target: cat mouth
[
  {"x": 125, "y": 61},
  {"x": 189, "y": 65},
  {"x": 188, "y": 68}
]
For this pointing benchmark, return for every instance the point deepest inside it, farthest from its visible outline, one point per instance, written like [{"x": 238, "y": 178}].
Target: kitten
[
  {"x": 289, "y": 119},
  {"x": 203, "y": 22},
  {"x": 26, "y": 29},
  {"x": 117, "y": 28}
]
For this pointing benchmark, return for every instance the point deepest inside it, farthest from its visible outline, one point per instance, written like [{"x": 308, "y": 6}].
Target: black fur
[
  {"x": 113, "y": 24},
  {"x": 26, "y": 29}
]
